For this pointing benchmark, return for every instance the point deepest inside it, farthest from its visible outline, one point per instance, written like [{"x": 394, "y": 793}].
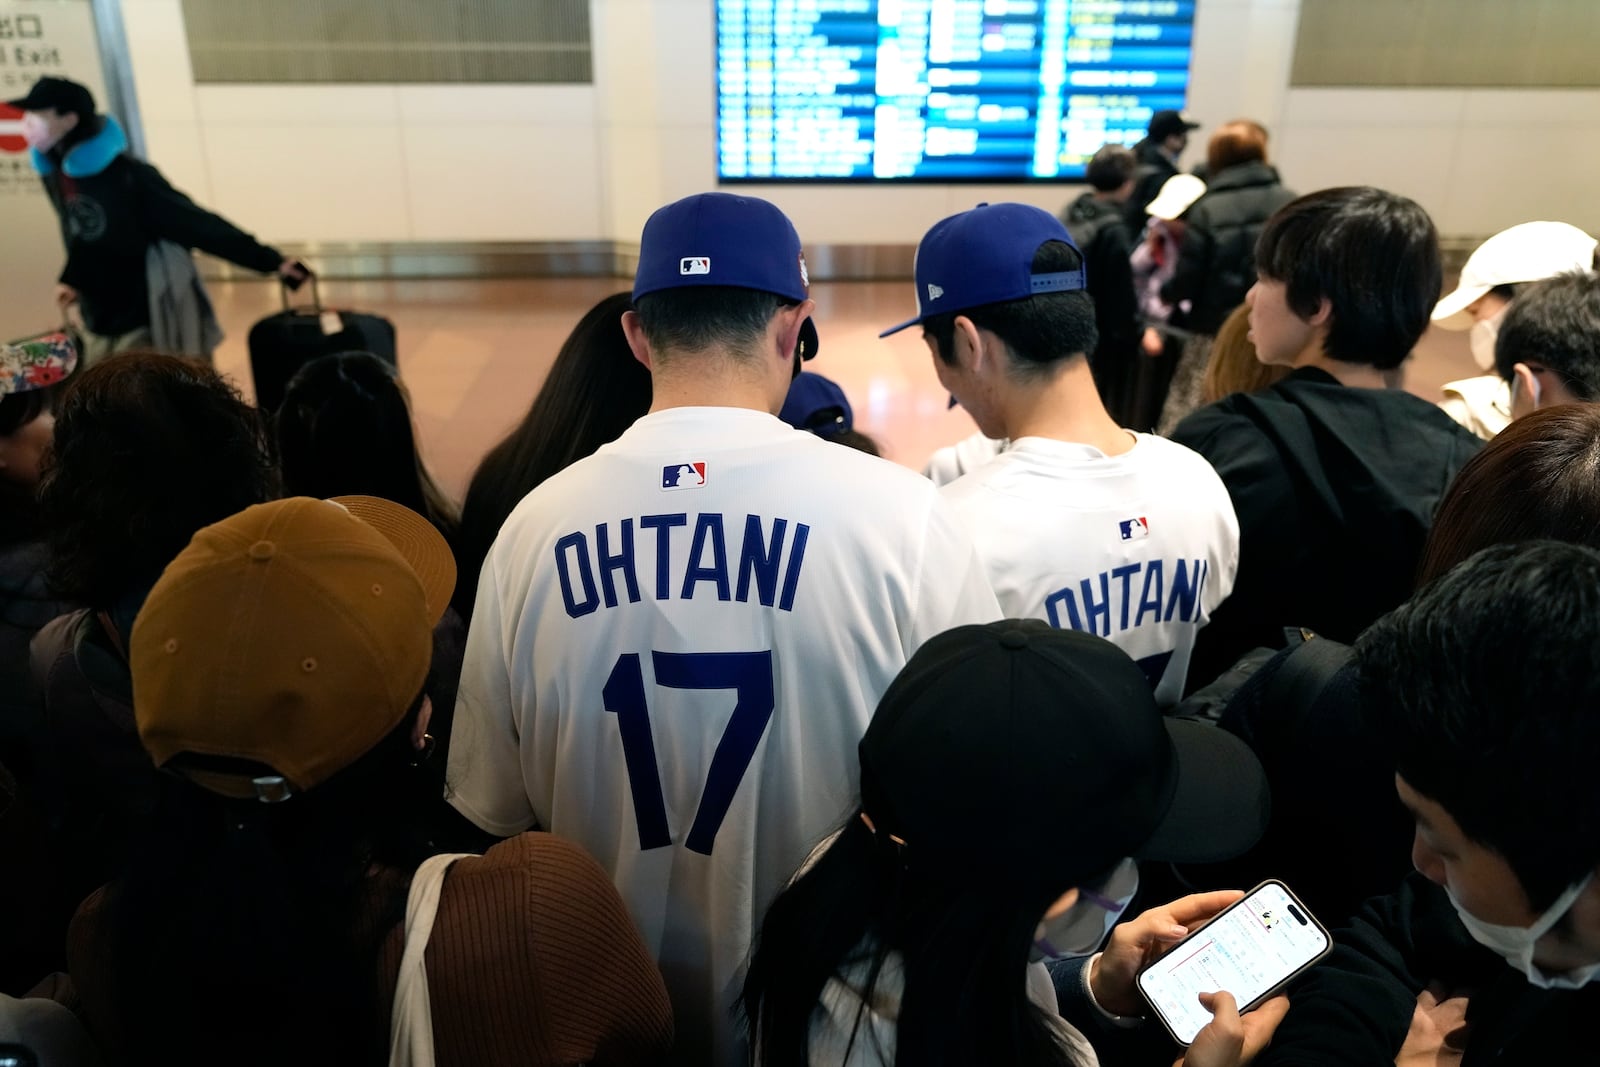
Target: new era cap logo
[
  {"x": 694, "y": 265},
  {"x": 934, "y": 292},
  {"x": 1134, "y": 529},
  {"x": 683, "y": 475}
]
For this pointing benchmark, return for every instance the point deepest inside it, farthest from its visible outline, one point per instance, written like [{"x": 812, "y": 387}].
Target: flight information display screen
[{"x": 940, "y": 90}]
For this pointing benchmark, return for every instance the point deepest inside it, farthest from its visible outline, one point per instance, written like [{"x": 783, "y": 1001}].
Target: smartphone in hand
[{"x": 1252, "y": 949}]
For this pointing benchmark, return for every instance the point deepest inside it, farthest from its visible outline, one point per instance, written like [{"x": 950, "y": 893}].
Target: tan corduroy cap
[{"x": 294, "y": 635}]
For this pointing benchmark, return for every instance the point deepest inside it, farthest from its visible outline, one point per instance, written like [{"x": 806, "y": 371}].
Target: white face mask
[
  {"x": 36, "y": 131},
  {"x": 1515, "y": 944},
  {"x": 1482, "y": 337},
  {"x": 1083, "y": 928}
]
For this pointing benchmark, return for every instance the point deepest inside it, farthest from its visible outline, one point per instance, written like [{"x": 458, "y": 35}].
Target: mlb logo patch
[
  {"x": 676, "y": 476},
  {"x": 694, "y": 265},
  {"x": 1134, "y": 529}
]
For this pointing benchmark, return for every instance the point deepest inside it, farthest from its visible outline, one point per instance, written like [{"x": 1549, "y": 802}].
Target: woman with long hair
[
  {"x": 985, "y": 840},
  {"x": 595, "y": 390},
  {"x": 264, "y": 918},
  {"x": 345, "y": 428}
]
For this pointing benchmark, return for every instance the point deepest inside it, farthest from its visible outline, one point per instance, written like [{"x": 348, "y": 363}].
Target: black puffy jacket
[{"x": 1217, "y": 264}]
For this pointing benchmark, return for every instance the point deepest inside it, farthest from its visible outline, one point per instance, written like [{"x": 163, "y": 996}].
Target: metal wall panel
[
  {"x": 389, "y": 41},
  {"x": 1448, "y": 43}
]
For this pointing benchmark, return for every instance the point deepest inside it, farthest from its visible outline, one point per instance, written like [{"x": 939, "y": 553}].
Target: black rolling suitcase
[{"x": 282, "y": 343}]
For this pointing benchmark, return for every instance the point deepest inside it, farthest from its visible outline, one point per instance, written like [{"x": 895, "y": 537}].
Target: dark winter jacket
[
  {"x": 1356, "y": 1006},
  {"x": 1101, "y": 233},
  {"x": 1153, "y": 171},
  {"x": 112, "y": 208},
  {"x": 1217, "y": 264},
  {"x": 1335, "y": 490}
]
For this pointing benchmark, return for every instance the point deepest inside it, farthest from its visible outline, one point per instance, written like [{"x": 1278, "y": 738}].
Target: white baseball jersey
[
  {"x": 1139, "y": 548},
  {"x": 676, "y": 646},
  {"x": 961, "y": 458}
]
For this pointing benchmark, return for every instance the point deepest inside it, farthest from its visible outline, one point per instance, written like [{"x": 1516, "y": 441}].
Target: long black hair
[
  {"x": 249, "y": 932},
  {"x": 345, "y": 428},
  {"x": 963, "y": 943},
  {"x": 595, "y": 391}
]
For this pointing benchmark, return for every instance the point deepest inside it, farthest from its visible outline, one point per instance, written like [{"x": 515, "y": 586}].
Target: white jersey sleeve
[
  {"x": 962, "y": 458},
  {"x": 483, "y": 779}
]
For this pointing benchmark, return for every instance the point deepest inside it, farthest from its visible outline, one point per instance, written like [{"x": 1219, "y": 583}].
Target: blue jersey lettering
[
  {"x": 707, "y": 530},
  {"x": 575, "y": 544},
  {"x": 663, "y": 526},
  {"x": 622, "y": 561}
]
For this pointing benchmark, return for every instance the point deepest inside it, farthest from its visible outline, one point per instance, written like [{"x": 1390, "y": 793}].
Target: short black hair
[
  {"x": 1555, "y": 323},
  {"x": 1039, "y": 331},
  {"x": 695, "y": 318},
  {"x": 1111, "y": 167},
  {"x": 1485, "y": 685},
  {"x": 1373, "y": 255}
]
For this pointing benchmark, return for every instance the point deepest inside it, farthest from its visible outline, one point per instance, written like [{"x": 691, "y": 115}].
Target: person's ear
[
  {"x": 69, "y": 121},
  {"x": 1323, "y": 315},
  {"x": 789, "y": 321},
  {"x": 968, "y": 345},
  {"x": 1525, "y": 390},
  {"x": 633, "y": 329}
]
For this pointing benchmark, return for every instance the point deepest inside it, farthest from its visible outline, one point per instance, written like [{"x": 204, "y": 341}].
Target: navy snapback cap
[
  {"x": 985, "y": 256},
  {"x": 725, "y": 240},
  {"x": 817, "y": 404}
]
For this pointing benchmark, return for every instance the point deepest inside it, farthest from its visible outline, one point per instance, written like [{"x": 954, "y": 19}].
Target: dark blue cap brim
[{"x": 903, "y": 326}]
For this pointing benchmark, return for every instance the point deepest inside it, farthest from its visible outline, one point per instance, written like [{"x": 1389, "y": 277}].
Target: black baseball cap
[
  {"x": 1017, "y": 750},
  {"x": 56, "y": 94},
  {"x": 1164, "y": 124}
]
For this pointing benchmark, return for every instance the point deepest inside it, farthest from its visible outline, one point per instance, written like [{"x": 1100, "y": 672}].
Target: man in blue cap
[
  {"x": 1080, "y": 523},
  {"x": 678, "y": 642}
]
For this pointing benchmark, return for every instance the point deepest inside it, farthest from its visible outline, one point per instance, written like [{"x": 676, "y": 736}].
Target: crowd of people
[{"x": 699, "y": 734}]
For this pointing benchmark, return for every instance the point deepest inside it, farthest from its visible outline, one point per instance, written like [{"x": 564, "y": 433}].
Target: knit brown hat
[{"x": 286, "y": 641}]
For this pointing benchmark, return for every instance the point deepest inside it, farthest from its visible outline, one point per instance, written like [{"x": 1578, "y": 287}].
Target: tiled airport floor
[{"x": 474, "y": 353}]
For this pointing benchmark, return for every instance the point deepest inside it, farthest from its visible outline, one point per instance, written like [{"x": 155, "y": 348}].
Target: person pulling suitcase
[{"x": 128, "y": 232}]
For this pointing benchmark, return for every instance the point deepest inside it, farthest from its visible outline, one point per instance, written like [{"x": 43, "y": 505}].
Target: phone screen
[{"x": 1248, "y": 950}]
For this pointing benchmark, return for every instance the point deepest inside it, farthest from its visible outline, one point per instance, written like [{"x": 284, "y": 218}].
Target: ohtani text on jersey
[
  {"x": 690, "y": 559},
  {"x": 1130, "y": 598}
]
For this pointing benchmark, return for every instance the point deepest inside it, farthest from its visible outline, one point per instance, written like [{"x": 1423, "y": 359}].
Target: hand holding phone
[
  {"x": 1134, "y": 944},
  {"x": 1249, "y": 950}
]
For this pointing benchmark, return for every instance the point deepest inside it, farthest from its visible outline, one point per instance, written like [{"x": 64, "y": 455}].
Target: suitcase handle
[{"x": 316, "y": 295}]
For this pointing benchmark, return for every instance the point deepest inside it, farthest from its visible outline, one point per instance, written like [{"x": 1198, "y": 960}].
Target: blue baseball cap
[
  {"x": 985, "y": 256},
  {"x": 726, "y": 240},
  {"x": 817, "y": 404}
]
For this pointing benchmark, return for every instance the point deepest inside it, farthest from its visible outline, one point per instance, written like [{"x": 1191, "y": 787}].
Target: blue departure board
[{"x": 940, "y": 90}]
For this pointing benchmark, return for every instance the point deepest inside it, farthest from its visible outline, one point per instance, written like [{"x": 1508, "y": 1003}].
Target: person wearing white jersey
[
  {"x": 678, "y": 642},
  {"x": 1080, "y": 523}
]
